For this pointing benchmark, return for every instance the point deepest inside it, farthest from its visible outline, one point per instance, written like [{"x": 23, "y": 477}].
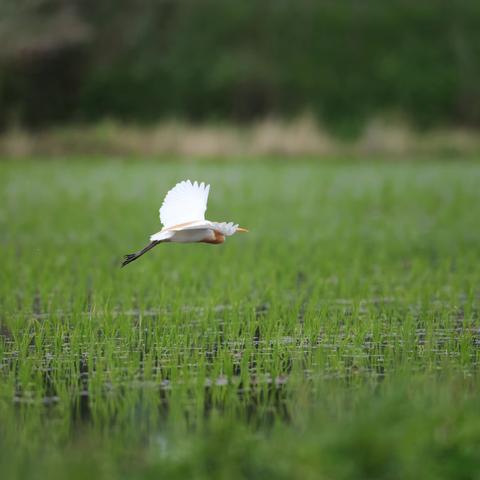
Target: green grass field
[{"x": 339, "y": 339}]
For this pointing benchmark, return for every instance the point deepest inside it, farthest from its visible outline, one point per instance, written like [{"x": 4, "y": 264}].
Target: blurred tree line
[{"x": 144, "y": 60}]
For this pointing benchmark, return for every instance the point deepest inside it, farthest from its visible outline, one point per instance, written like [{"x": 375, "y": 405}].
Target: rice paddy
[{"x": 340, "y": 338}]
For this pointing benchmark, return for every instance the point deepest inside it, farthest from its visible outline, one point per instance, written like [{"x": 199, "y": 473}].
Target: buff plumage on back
[{"x": 185, "y": 202}]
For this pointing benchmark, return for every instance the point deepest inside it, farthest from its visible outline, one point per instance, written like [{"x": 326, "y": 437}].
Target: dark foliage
[{"x": 143, "y": 60}]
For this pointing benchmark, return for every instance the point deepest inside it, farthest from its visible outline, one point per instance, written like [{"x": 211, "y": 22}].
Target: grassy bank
[{"x": 229, "y": 142}]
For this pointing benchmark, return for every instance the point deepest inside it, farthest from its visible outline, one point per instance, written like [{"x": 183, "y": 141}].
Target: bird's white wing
[
  {"x": 194, "y": 225},
  {"x": 185, "y": 202}
]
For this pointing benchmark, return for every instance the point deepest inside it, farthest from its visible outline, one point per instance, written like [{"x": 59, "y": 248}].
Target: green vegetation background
[
  {"x": 338, "y": 339},
  {"x": 142, "y": 60}
]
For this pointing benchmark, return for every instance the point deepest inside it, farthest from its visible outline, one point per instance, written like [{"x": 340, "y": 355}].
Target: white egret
[{"x": 182, "y": 215}]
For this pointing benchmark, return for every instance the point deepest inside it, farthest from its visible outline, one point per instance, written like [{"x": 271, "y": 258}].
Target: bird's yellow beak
[{"x": 240, "y": 229}]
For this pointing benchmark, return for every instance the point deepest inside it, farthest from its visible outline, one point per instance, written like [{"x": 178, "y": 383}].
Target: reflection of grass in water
[{"x": 338, "y": 339}]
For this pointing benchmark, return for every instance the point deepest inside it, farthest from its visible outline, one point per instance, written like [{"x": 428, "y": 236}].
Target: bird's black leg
[{"x": 133, "y": 256}]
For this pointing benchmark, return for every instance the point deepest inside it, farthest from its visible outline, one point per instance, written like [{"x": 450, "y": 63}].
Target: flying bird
[{"x": 182, "y": 215}]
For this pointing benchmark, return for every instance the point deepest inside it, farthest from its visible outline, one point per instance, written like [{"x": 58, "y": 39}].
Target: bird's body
[
  {"x": 203, "y": 235},
  {"x": 183, "y": 216}
]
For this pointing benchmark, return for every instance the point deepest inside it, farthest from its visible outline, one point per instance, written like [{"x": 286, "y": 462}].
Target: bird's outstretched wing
[{"x": 185, "y": 202}]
